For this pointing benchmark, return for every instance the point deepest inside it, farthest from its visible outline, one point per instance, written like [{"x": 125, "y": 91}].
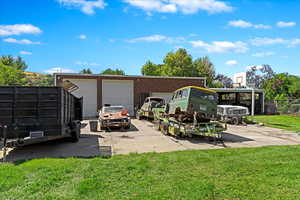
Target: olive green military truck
[{"x": 191, "y": 111}]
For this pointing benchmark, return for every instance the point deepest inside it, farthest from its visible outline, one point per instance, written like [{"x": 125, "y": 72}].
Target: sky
[{"x": 69, "y": 35}]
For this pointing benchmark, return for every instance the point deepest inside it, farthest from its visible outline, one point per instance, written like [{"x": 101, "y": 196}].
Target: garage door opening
[
  {"x": 167, "y": 96},
  {"x": 118, "y": 92}
]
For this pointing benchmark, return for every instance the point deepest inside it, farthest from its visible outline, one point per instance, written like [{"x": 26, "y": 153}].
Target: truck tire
[
  {"x": 75, "y": 134},
  {"x": 235, "y": 121},
  {"x": 158, "y": 125},
  {"x": 165, "y": 129},
  {"x": 137, "y": 116}
]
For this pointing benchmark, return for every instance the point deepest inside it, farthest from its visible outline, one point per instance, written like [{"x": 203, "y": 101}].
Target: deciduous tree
[{"x": 110, "y": 71}]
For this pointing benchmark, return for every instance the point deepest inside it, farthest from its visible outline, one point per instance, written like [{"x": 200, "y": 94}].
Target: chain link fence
[{"x": 291, "y": 106}]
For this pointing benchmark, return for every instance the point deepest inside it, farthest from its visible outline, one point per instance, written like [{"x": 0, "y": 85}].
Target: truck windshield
[
  {"x": 113, "y": 109},
  {"x": 157, "y": 100},
  {"x": 203, "y": 95}
]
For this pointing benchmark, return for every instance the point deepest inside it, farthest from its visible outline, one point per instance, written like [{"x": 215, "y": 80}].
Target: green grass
[
  {"x": 291, "y": 123},
  {"x": 249, "y": 173}
]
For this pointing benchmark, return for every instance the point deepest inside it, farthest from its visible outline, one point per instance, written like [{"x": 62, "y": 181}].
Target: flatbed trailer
[
  {"x": 168, "y": 125},
  {"x": 31, "y": 115}
]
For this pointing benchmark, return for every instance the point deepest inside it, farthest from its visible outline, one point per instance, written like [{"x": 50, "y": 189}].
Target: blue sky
[{"x": 75, "y": 34}]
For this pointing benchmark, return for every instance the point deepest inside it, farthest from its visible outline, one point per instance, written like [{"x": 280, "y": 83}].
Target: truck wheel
[
  {"x": 165, "y": 129},
  {"x": 75, "y": 134},
  {"x": 158, "y": 125},
  {"x": 235, "y": 121},
  {"x": 127, "y": 127},
  {"x": 137, "y": 116}
]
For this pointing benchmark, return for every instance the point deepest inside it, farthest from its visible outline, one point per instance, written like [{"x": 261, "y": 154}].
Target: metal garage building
[
  {"x": 253, "y": 99},
  {"x": 129, "y": 91}
]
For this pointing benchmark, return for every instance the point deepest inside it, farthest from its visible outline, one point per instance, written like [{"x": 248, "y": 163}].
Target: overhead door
[
  {"x": 87, "y": 88},
  {"x": 165, "y": 95},
  {"x": 118, "y": 92}
]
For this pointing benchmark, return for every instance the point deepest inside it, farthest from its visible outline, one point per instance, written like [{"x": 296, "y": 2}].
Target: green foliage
[
  {"x": 110, "y": 71},
  {"x": 282, "y": 86},
  {"x": 86, "y": 71},
  {"x": 12, "y": 72},
  {"x": 204, "y": 68},
  {"x": 246, "y": 173},
  {"x": 17, "y": 63},
  {"x": 178, "y": 63},
  {"x": 181, "y": 64},
  {"x": 151, "y": 69},
  {"x": 11, "y": 75}
]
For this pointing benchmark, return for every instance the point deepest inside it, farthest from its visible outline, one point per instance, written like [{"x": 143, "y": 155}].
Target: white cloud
[
  {"x": 272, "y": 41},
  {"x": 294, "y": 42},
  {"x": 58, "y": 70},
  {"x": 157, "y": 38},
  {"x": 245, "y": 24},
  {"x": 18, "y": 29},
  {"x": 84, "y": 63},
  {"x": 263, "y": 54},
  {"x": 267, "y": 41},
  {"x": 282, "y": 24},
  {"x": 25, "y": 53},
  {"x": 87, "y": 7},
  {"x": 183, "y": 6},
  {"x": 23, "y": 41},
  {"x": 231, "y": 62},
  {"x": 221, "y": 46},
  {"x": 82, "y": 37}
]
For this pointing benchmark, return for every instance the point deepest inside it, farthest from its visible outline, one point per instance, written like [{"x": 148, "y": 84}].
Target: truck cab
[
  {"x": 149, "y": 104},
  {"x": 193, "y": 99}
]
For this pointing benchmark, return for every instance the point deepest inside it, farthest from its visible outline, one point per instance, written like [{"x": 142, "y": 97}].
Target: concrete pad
[{"x": 143, "y": 137}]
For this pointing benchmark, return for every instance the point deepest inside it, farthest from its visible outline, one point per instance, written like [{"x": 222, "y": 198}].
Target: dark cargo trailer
[{"x": 36, "y": 114}]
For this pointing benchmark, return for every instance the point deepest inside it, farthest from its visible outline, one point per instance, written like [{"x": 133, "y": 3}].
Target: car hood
[{"x": 117, "y": 115}]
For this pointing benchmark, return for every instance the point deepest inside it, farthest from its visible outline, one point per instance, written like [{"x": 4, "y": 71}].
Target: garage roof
[{"x": 128, "y": 76}]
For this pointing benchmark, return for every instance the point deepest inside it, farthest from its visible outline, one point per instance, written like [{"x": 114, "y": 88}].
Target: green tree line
[{"x": 180, "y": 63}]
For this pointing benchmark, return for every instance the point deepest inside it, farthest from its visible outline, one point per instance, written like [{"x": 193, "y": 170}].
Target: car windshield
[
  {"x": 156, "y": 100},
  {"x": 113, "y": 109}
]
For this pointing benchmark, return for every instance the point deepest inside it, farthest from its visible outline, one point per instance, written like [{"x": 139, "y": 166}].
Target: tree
[
  {"x": 17, "y": 63},
  {"x": 258, "y": 75},
  {"x": 181, "y": 64},
  {"x": 282, "y": 86},
  {"x": 11, "y": 75},
  {"x": 222, "y": 81},
  {"x": 151, "y": 69},
  {"x": 86, "y": 71},
  {"x": 203, "y": 67},
  {"x": 110, "y": 71},
  {"x": 178, "y": 63}
]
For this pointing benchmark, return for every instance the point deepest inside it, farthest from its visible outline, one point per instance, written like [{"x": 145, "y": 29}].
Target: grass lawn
[
  {"x": 291, "y": 123},
  {"x": 249, "y": 173}
]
